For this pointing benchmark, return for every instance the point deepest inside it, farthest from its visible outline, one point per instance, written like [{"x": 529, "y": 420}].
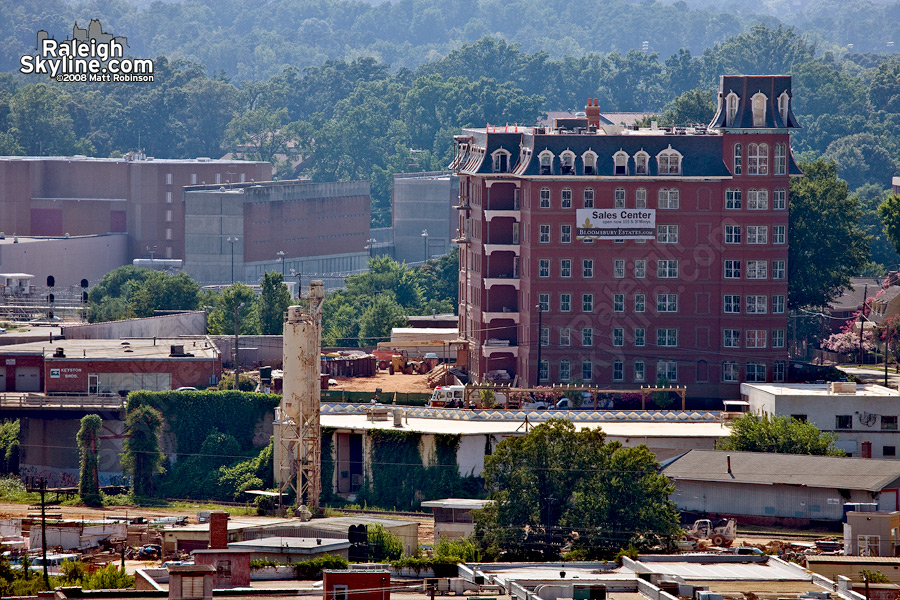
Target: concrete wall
[
  {"x": 423, "y": 201},
  {"x": 255, "y": 350},
  {"x": 166, "y": 326},
  {"x": 69, "y": 260}
]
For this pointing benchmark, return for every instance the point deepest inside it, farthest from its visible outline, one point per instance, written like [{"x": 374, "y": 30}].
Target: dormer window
[
  {"x": 546, "y": 158},
  {"x": 784, "y": 103},
  {"x": 641, "y": 162},
  {"x": 620, "y": 159},
  {"x": 567, "y": 163},
  {"x": 500, "y": 161},
  {"x": 759, "y": 109},
  {"x": 669, "y": 162},
  {"x": 590, "y": 162},
  {"x": 731, "y": 108}
]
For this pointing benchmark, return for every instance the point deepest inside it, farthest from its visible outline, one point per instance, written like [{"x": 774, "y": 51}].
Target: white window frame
[
  {"x": 668, "y": 199},
  {"x": 587, "y": 268},
  {"x": 733, "y": 199},
  {"x": 640, "y": 303},
  {"x": 668, "y": 162},
  {"x": 757, "y": 269},
  {"x": 667, "y": 337},
  {"x": 667, "y": 303},
  {"x": 778, "y": 234},
  {"x": 619, "y": 303},
  {"x": 619, "y": 198},
  {"x": 758, "y": 199},
  {"x": 784, "y": 103},
  {"x": 755, "y": 338},
  {"x": 544, "y": 233},
  {"x": 779, "y": 158},
  {"x": 567, "y": 163},
  {"x": 732, "y": 269},
  {"x": 779, "y": 199},
  {"x": 642, "y": 163},
  {"x": 737, "y": 158},
  {"x": 587, "y": 337},
  {"x": 543, "y": 268},
  {"x": 667, "y": 234},
  {"x": 565, "y": 302},
  {"x": 667, "y": 369},
  {"x": 565, "y": 337},
  {"x": 639, "y": 371},
  {"x": 565, "y": 234},
  {"x": 640, "y": 268},
  {"x": 758, "y": 104},
  {"x": 544, "y": 370},
  {"x": 640, "y": 337},
  {"x": 587, "y": 370},
  {"x": 544, "y": 198},
  {"x": 618, "y": 370},
  {"x": 588, "y": 197},
  {"x": 778, "y": 305},
  {"x": 545, "y": 159},
  {"x": 565, "y": 370},
  {"x": 587, "y": 303},
  {"x": 778, "y": 338},
  {"x": 756, "y": 304},
  {"x": 619, "y": 268},
  {"x": 544, "y": 302},
  {"x": 565, "y": 198},
  {"x": 778, "y": 269},
  {"x": 565, "y": 268},
  {"x": 589, "y": 159},
  {"x": 731, "y": 372},
  {"x": 620, "y": 163},
  {"x": 731, "y": 108},
  {"x": 757, "y": 159},
  {"x": 757, "y": 234},
  {"x": 667, "y": 268},
  {"x": 732, "y": 234},
  {"x": 640, "y": 198},
  {"x": 756, "y": 372},
  {"x": 731, "y": 338},
  {"x": 618, "y": 336},
  {"x": 731, "y": 304},
  {"x": 496, "y": 157}
]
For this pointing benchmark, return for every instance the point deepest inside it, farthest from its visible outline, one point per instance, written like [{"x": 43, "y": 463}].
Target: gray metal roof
[{"x": 786, "y": 469}]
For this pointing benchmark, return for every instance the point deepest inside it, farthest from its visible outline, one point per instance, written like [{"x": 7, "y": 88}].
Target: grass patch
[{"x": 13, "y": 490}]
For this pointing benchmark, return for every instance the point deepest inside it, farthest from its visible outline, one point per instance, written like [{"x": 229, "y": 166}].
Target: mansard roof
[{"x": 745, "y": 87}]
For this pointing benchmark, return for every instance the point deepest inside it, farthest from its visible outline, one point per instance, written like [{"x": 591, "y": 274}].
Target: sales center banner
[{"x": 616, "y": 223}]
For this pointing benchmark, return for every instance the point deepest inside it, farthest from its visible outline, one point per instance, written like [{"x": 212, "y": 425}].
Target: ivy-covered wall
[{"x": 397, "y": 476}]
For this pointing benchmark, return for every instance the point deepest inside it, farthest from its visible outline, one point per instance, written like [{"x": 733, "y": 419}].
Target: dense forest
[{"x": 350, "y": 111}]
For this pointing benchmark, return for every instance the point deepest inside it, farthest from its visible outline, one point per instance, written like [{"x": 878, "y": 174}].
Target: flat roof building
[{"x": 623, "y": 256}]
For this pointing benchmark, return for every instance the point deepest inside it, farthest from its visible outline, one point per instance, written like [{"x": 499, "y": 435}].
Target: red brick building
[
  {"x": 137, "y": 195},
  {"x": 652, "y": 253},
  {"x": 108, "y": 367}
]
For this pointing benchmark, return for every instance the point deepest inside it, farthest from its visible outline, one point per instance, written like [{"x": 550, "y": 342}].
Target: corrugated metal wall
[{"x": 783, "y": 501}]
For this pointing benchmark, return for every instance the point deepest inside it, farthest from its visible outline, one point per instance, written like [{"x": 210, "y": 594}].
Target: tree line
[{"x": 361, "y": 314}]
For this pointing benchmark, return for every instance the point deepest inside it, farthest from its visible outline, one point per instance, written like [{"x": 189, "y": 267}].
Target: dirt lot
[
  {"x": 388, "y": 383},
  {"x": 18, "y": 511}
]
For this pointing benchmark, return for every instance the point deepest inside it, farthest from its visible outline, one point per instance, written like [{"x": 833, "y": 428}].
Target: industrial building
[
  {"x": 137, "y": 195},
  {"x": 68, "y": 259},
  {"x": 766, "y": 488},
  {"x": 423, "y": 218},
  {"x": 298, "y": 228},
  {"x": 864, "y": 417},
  {"x": 590, "y": 251}
]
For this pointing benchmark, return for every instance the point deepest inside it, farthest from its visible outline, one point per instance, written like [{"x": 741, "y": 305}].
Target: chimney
[
  {"x": 218, "y": 530},
  {"x": 592, "y": 111},
  {"x": 866, "y": 449},
  {"x": 729, "y": 463}
]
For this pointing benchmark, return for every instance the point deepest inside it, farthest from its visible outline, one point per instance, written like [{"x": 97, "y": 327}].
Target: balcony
[
  {"x": 487, "y": 317},
  {"x": 491, "y": 248},
  {"x": 495, "y": 347},
  {"x": 492, "y": 214},
  {"x": 490, "y": 282}
]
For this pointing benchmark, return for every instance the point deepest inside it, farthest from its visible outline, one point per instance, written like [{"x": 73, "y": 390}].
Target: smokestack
[
  {"x": 592, "y": 111},
  {"x": 866, "y": 449},
  {"x": 218, "y": 530}
]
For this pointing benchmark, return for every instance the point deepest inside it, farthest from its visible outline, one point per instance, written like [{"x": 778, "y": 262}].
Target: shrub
[{"x": 312, "y": 568}]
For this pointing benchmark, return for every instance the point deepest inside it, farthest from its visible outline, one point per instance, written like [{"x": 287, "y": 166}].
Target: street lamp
[
  {"x": 540, "y": 308},
  {"x": 231, "y": 240},
  {"x": 152, "y": 251},
  {"x": 425, "y": 238},
  {"x": 237, "y": 363},
  {"x": 299, "y": 277},
  {"x": 370, "y": 246},
  {"x": 280, "y": 255}
]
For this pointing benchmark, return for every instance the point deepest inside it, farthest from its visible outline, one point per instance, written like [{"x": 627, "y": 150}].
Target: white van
[{"x": 450, "y": 396}]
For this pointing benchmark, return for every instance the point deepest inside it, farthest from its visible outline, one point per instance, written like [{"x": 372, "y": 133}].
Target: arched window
[
  {"x": 546, "y": 158},
  {"x": 620, "y": 159},
  {"x": 758, "y": 101},
  {"x": 500, "y": 161},
  {"x": 731, "y": 108},
  {"x": 566, "y": 198},
  {"x": 780, "y": 166},
  {"x": 545, "y": 198},
  {"x": 590, "y": 162},
  {"x": 737, "y": 159},
  {"x": 669, "y": 162},
  {"x": 641, "y": 162},
  {"x": 784, "y": 104},
  {"x": 588, "y": 197},
  {"x": 640, "y": 198},
  {"x": 567, "y": 163},
  {"x": 620, "y": 198},
  {"x": 757, "y": 159}
]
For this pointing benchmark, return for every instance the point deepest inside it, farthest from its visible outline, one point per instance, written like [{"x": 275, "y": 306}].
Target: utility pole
[
  {"x": 862, "y": 322},
  {"x": 540, "y": 341},
  {"x": 44, "y": 532},
  {"x": 237, "y": 360}
]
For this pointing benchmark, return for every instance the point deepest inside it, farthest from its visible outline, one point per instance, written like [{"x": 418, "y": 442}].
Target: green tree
[
  {"x": 161, "y": 291},
  {"x": 9, "y": 446},
  {"x": 274, "y": 300},
  {"x": 141, "y": 455},
  {"x": 827, "y": 245},
  {"x": 41, "y": 124},
  {"x": 861, "y": 158},
  {"x": 88, "y": 439},
  {"x": 557, "y": 480},
  {"x": 263, "y": 134},
  {"x": 222, "y": 317},
  {"x": 889, "y": 212},
  {"x": 773, "y": 433},
  {"x": 377, "y": 320},
  {"x": 383, "y": 545},
  {"x": 693, "y": 106},
  {"x": 109, "y": 300}
]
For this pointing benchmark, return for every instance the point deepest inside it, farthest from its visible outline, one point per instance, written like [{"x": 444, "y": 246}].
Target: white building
[{"x": 857, "y": 413}]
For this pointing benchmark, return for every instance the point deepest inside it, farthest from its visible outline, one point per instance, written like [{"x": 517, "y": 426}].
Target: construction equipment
[
  {"x": 400, "y": 363},
  {"x": 722, "y": 533}
]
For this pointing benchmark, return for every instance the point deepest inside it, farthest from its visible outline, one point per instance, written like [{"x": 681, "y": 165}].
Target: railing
[{"x": 41, "y": 401}]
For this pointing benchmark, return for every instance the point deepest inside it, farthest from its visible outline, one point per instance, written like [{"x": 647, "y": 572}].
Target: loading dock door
[
  {"x": 28, "y": 379},
  {"x": 2, "y": 378}
]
